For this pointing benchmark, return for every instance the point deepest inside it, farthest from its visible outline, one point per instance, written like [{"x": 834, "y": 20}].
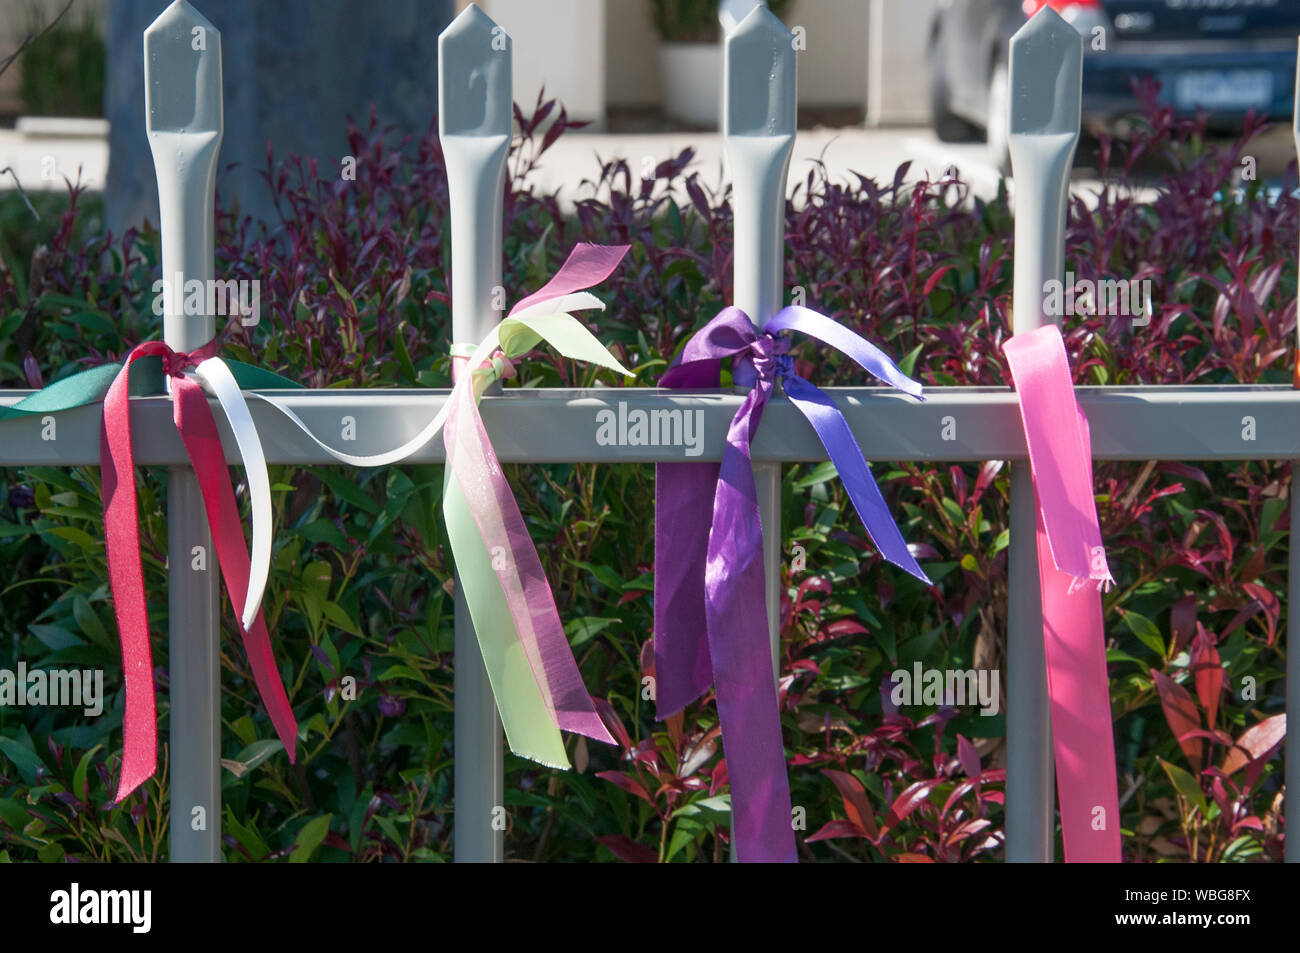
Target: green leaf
[
  {"x": 78, "y": 536},
  {"x": 339, "y": 616},
  {"x": 346, "y": 490},
  {"x": 822, "y": 473},
  {"x": 13, "y": 813},
  {"x": 324, "y": 531},
  {"x": 908, "y": 364},
  {"x": 79, "y": 776},
  {"x": 248, "y": 837},
  {"x": 587, "y": 628},
  {"x": 23, "y": 757},
  {"x": 1144, "y": 629},
  {"x": 309, "y": 838},
  {"x": 252, "y": 756},
  {"x": 1185, "y": 785},
  {"x": 55, "y": 636},
  {"x": 403, "y": 355},
  {"x": 605, "y": 575},
  {"x": 89, "y": 622}
]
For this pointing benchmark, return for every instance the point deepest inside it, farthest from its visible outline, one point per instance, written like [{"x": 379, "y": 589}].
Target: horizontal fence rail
[{"x": 557, "y": 425}]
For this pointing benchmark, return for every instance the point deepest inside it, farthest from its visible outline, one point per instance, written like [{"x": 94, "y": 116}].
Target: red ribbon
[{"x": 198, "y": 430}]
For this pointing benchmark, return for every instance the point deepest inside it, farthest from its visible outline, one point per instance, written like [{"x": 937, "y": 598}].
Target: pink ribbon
[
  {"x": 198, "y": 430},
  {"x": 501, "y": 525},
  {"x": 1070, "y": 557},
  {"x": 527, "y": 591}
]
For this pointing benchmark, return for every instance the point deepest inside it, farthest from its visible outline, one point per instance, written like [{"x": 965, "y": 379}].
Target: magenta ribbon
[
  {"x": 1072, "y": 570},
  {"x": 710, "y": 611},
  {"x": 202, "y": 440}
]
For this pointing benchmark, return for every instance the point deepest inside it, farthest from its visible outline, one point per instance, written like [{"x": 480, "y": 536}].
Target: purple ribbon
[{"x": 710, "y": 610}]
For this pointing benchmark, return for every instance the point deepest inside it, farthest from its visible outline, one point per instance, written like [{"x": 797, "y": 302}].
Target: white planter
[{"x": 690, "y": 75}]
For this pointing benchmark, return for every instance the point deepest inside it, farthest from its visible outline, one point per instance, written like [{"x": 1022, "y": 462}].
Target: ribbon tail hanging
[
  {"x": 126, "y": 581},
  {"x": 218, "y": 377},
  {"x": 834, "y": 433},
  {"x": 741, "y": 655},
  {"x": 198, "y": 430},
  {"x": 683, "y": 512},
  {"x": 1070, "y": 555},
  {"x": 518, "y": 571}
]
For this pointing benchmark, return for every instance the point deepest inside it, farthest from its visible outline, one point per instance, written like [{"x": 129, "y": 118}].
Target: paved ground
[
  {"x": 40, "y": 158},
  {"x": 874, "y": 153}
]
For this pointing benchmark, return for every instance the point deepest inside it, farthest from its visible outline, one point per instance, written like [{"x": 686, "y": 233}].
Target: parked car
[{"x": 1223, "y": 56}]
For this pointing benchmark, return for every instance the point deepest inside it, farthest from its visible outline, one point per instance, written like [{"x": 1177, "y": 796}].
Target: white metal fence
[{"x": 554, "y": 425}]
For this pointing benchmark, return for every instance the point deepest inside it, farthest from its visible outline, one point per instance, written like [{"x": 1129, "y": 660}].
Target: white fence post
[
  {"x": 758, "y": 127},
  {"x": 1046, "y": 84},
  {"x": 474, "y": 126},
  {"x": 182, "y": 68}
]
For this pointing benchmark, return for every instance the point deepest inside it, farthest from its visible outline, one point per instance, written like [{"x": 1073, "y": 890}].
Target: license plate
[{"x": 1224, "y": 89}]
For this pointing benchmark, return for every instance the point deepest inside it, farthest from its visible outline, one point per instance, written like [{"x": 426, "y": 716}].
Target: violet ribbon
[
  {"x": 1072, "y": 570},
  {"x": 710, "y": 612}
]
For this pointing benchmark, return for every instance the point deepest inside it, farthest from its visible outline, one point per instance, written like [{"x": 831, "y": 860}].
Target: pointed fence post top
[
  {"x": 1046, "y": 76},
  {"x": 474, "y": 95},
  {"x": 1295, "y": 113},
  {"x": 182, "y": 65},
  {"x": 759, "y": 77}
]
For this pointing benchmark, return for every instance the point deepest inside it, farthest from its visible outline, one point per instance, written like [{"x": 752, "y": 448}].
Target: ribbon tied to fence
[
  {"x": 1072, "y": 570},
  {"x": 710, "y": 611},
  {"x": 245, "y": 576},
  {"x": 534, "y": 676}
]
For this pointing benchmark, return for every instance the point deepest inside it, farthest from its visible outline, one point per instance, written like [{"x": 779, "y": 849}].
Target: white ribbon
[
  {"x": 216, "y": 375},
  {"x": 221, "y": 382}
]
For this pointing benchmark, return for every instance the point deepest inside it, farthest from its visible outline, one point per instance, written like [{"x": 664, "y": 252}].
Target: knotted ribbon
[
  {"x": 245, "y": 577},
  {"x": 1072, "y": 570},
  {"x": 534, "y": 676},
  {"x": 710, "y": 610}
]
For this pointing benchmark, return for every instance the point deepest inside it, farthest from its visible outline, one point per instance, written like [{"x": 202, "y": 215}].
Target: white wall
[
  {"x": 556, "y": 41},
  {"x": 832, "y": 70},
  {"x": 898, "y": 81},
  {"x": 559, "y": 44}
]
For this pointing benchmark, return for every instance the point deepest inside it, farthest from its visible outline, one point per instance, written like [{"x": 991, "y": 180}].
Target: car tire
[
  {"x": 947, "y": 125},
  {"x": 997, "y": 125}
]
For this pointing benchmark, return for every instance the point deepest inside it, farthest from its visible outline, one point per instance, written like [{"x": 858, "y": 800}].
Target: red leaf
[
  {"x": 1182, "y": 622},
  {"x": 626, "y": 849},
  {"x": 935, "y": 278},
  {"x": 1181, "y": 714},
  {"x": 966, "y": 829},
  {"x": 612, "y": 721},
  {"x": 910, "y": 858},
  {"x": 856, "y": 807},
  {"x": 1268, "y": 601},
  {"x": 909, "y": 801},
  {"x": 845, "y": 627},
  {"x": 1207, "y": 670},
  {"x": 628, "y": 783},
  {"x": 837, "y": 829},
  {"x": 969, "y": 758},
  {"x": 1256, "y": 742}
]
